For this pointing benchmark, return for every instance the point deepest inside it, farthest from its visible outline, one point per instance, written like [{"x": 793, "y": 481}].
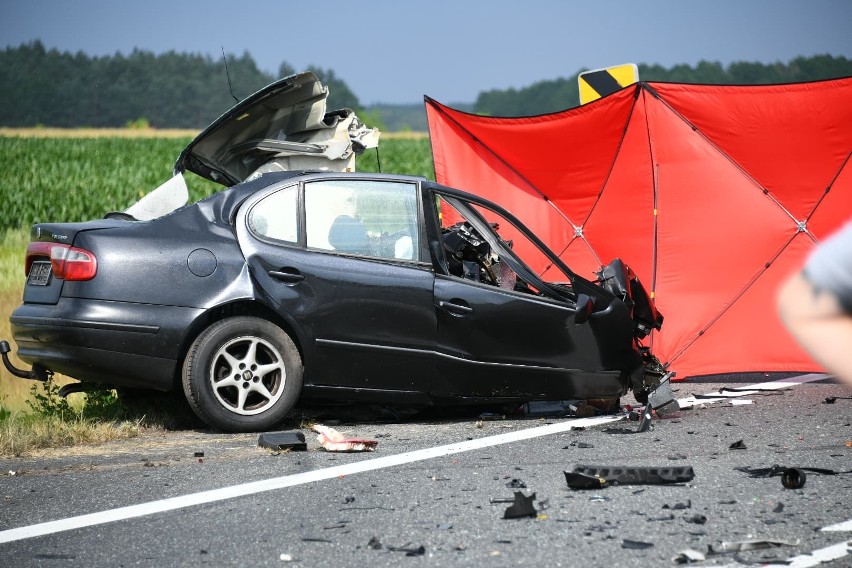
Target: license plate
[{"x": 39, "y": 273}]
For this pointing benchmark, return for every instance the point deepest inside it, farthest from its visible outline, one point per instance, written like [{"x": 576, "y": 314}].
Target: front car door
[{"x": 505, "y": 333}]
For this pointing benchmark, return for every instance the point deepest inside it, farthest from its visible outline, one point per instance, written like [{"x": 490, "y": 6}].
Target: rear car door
[{"x": 341, "y": 259}]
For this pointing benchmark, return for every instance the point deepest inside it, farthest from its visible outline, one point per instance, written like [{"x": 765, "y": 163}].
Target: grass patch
[
  {"x": 94, "y": 417},
  {"x": 13, "y": 247},
  {"x": 24, "y": 434}
]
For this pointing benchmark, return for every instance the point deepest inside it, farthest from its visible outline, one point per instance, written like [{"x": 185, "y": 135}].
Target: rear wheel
[{"x": 242, "y": 374}]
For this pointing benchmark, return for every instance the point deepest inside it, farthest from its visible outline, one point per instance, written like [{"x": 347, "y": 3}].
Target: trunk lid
[{"x": 283, "y": 126}]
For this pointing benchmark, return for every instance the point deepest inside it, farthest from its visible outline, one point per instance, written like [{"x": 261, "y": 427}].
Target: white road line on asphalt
[
  {"x": 839, "y": 527},
  {"x": 815, "y": 557},
  {"x": 252, "y": 488}
]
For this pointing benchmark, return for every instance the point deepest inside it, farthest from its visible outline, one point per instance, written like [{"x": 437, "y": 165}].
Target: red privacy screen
[{"x": 712, "y": 194}]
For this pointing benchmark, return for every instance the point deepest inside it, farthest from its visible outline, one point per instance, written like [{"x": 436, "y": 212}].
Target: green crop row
[{"x": 77, "y": 179}]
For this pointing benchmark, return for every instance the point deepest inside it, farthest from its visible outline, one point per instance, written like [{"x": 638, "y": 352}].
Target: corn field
[{"x": 65, "y": 179}]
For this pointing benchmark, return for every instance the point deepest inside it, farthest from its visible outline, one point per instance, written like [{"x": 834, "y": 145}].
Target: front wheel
[{"x": 242, "y": 374}]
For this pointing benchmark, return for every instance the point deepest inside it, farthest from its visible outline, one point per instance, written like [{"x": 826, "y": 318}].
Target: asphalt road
[{"x": 426, "y": 496}]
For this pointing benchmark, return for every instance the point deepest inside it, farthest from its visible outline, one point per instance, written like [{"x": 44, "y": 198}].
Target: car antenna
[{"x": 225, "y": 59}]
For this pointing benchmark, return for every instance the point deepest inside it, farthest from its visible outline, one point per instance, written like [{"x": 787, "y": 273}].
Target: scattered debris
[
  {"x": 282, "y": 441},
  {"x": 334, "y": 441},
  {"x": 832, "y": 399},
  {"x": 517, "y": 484},
  {"x": 198, "y": 455},
  {"x": 408, "y": 550},
  {"x": 635, "y": 544},
  {"x": 593, "y": 477},
  {"x": 340, "y": 525},
  {"x": 740, "y": 546},
  {"x": 687, "y": 556},
  {"x": 493, "y": 500},
  {"x": 374, "y": 543},
  {"x": 738, "y": 445},
  {"x": 791, "y": 477},
  {"x": 679, "y": 506},
  {"x": 697, "y": 519},
  {"x": 580, "y": 480},
  {"x": 645, "y": 418},
  {"x": 577, "y": 444},
  {"x": 522, "y": 507}
]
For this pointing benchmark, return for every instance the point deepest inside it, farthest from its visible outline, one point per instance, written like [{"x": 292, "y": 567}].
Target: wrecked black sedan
[{"x": 294, "y": 285}]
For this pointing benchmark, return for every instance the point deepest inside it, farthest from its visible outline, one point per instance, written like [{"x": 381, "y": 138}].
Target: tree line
[
  {"x": 185, "y": 90},
  {"x": 171, "y": 90},
  {"x": 559, "y": 94}
]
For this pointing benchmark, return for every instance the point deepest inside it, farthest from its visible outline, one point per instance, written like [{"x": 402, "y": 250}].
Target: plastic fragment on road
[
  {"x": 595, "y": 477},
  {"x": 374, "y": 543},
  {"x": 743, "y": 545},
  {"x": 522, "y": 507},
  {"x": 282, "y": 441},
  {"x": 334, "y": 441},
  {"x": 408, "y": 549},
  {"x": 635, "y": 544},
  {"x": 687, "y": 556},
  {"x": 791, "y": 477},
  {"x": 738, "y": 445}
]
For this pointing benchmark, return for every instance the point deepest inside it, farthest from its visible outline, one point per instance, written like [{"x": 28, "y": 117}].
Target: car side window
[
  {"x": 276, "y": 216},
  {"x": 469, "y": 256},
  {"x": 369, "y": 218}
]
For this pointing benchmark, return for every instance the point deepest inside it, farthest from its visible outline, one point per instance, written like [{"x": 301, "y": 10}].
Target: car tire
[{"x": 242, "y": 374}]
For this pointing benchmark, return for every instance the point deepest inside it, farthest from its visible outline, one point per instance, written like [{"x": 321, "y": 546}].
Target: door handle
[
  {"x": 455, "y": 309},
  {"x": 287, "y": 277}
]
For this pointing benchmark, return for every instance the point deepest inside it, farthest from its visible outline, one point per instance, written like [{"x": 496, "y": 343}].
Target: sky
[{"x": 397, "y": 51}]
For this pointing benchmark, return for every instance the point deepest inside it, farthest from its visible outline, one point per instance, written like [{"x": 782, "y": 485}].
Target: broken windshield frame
[{"x": 467, "y": 207}]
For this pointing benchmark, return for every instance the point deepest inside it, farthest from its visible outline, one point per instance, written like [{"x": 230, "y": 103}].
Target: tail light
[{"x": 67, "y": 262}]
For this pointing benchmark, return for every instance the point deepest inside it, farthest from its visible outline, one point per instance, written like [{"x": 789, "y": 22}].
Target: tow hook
[{"x": 38, "y": 373}]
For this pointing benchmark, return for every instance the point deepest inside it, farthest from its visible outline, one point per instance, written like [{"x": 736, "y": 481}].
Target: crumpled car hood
[{"x": 282, "y": 127}]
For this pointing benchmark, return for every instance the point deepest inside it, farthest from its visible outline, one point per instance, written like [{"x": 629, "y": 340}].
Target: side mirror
[{"x": 585, "y": 306}]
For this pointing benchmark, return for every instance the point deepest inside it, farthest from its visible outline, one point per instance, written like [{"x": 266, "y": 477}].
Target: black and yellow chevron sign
[{"x": 599, "y": 83}]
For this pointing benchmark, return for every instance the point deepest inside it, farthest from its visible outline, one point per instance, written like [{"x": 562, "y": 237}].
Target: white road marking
[
  {"x": 839, "y": 527},
  {"x": 153, "y": 507},
  {"x": 815, "y": 557}
]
